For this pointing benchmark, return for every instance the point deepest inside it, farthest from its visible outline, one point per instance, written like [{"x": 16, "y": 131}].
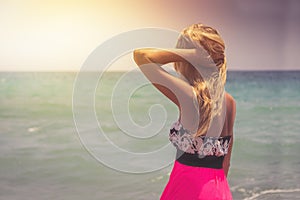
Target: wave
[{"x": 271, "y": 191}]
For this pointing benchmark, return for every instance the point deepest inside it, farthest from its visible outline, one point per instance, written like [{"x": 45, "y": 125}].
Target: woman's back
[{"x": 222, "y": 124}]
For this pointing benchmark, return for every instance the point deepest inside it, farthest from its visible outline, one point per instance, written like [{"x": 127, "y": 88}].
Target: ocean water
[{"x": 46, "y": 154}]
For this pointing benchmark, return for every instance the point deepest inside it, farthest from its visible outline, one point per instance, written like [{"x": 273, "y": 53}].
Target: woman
[{"x": 203, "y": 134}]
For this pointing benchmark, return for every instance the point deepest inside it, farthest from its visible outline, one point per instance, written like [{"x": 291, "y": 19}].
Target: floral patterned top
[{"x": 202, "y": 145}]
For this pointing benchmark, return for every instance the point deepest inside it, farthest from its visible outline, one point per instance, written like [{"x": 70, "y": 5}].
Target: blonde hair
[{"x": 210, "y": 91}]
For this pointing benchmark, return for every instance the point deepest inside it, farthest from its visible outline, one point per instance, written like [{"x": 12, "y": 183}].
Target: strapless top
[{"x": 203, "y": 151}]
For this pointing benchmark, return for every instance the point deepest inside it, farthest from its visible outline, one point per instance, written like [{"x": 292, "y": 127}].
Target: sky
[{"x": 53, "y": 35}]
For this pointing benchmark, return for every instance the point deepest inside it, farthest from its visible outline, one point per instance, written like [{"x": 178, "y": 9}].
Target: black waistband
[{"x": 198, "y": 161}]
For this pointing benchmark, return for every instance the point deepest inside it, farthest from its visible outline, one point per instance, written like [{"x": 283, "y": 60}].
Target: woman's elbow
[{"x": 139, "y": 56}]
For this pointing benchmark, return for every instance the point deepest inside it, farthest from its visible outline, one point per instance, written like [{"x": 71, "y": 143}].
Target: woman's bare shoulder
[
  {"x": 229, "y": 98},
  {"x": 230, "y": 101}
]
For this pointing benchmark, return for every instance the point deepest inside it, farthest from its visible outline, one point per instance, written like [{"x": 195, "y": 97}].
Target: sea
[{"x": 104, "y": 135}]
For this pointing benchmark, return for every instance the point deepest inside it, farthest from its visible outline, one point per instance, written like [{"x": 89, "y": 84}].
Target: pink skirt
[{"x": 196, "y": 183}]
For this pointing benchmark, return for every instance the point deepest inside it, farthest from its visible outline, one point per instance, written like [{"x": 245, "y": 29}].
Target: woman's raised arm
[
  {"x": 158, "y": 56},
  {"x": 150, "y": 60}
]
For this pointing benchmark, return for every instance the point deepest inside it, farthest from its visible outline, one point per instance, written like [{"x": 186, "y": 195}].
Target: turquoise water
[{"x": 42, "y": 156}]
